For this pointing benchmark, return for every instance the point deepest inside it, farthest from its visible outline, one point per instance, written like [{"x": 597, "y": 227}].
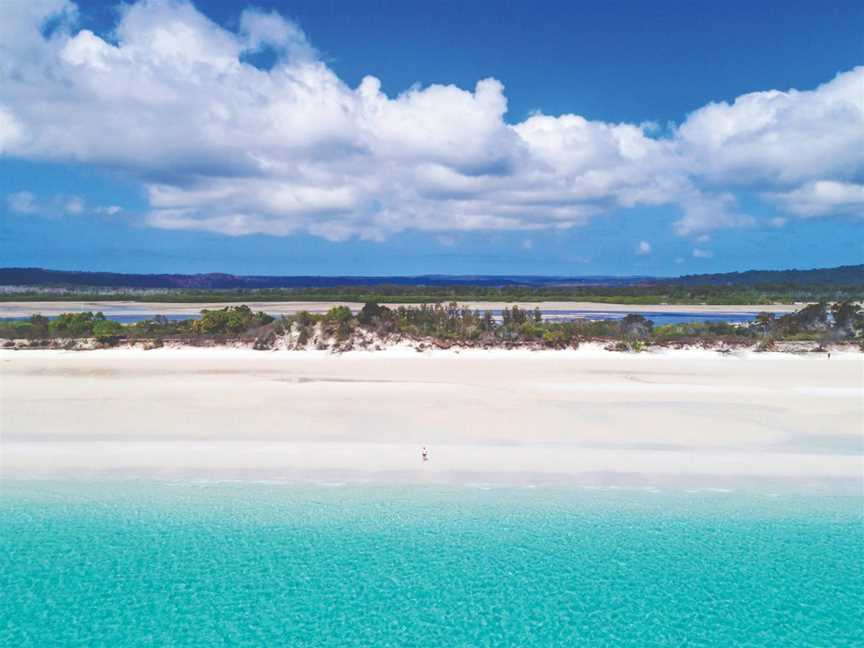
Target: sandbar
[{"x": 682, "y": 418}]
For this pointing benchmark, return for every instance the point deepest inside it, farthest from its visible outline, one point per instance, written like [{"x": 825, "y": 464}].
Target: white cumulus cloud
[
  {"x": 823, "y": 197},
  {"x": 221, "y": 145},
  {"x": 780, "y": 138},
  {"x": 643, "y": 248}
]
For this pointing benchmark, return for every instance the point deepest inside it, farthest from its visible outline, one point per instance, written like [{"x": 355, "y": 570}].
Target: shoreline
[{"x": 324, "y": 464}]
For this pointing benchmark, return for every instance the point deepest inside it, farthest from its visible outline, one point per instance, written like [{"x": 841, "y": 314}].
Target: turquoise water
[{"x": 186, "y": 564}]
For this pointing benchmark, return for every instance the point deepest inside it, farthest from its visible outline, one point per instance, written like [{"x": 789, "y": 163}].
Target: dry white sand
[
  {"x": 24, "y": 309},
  {"x": 686, "y": 418}
]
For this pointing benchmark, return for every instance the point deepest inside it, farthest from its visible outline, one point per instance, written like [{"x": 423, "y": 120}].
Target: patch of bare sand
[{"x": 687, "y": 417}]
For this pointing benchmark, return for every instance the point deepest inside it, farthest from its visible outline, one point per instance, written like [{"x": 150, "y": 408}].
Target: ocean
[{"x": 152, "y": 563}]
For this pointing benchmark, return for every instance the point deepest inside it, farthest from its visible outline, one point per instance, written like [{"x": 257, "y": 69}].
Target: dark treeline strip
[
  {"x": 636, "y": 295},
  {"x": 112, "y": 281},
  {"x": 849, "y": 275}
]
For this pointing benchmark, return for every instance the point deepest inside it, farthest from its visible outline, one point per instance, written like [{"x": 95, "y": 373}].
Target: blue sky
[{"x": 177, "y": 138}]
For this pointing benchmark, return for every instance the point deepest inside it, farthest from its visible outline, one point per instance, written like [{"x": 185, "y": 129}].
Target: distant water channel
[{"x": 659, "y": 318}]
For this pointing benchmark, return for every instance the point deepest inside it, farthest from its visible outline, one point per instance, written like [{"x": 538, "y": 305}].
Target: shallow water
[
  {"x": 209, "y": 564},
  {"x": 659, "y": 318}
]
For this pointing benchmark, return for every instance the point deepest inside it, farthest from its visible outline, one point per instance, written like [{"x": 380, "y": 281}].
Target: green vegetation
[
  {"x": 73, "y": 324},
  {"x": 446, "y": 324},
  {"x": 701, "y": 330},
  {"x": 655, "y": 293},
  {"x": 107, "y": 331},
  {"x": 231, "y": 320},
  {"x": 844, "y": 320}
]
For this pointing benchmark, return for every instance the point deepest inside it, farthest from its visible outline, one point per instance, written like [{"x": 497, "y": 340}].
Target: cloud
[
  {"x": 779, "y": 138},
  {"x": 74, "y": 205},
  {"x": 704, "y": 212},
  {"x": 172, "y": 99},
  {"x": 26, "y": 202},
  {"x": 823, "y": 197},
  {"x": 22, "y": 202},
  {"x": 10, "y": 130},
  {"x": 699, "y": 253},
  {"x": 271, "y": 31},
  {"x": 643, "y": 248}
]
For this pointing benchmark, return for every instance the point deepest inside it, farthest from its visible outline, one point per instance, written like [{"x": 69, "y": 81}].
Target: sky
[{"x": 381, "y": 138}]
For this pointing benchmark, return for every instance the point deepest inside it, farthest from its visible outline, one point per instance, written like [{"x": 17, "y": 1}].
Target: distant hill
[
  {"x": 850, "y": 275},
  {"x": 39, "y": 277}
]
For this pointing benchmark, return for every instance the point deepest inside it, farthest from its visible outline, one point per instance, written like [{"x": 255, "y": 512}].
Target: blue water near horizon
[
  {"x": 659, "y": 318},
  {"x": 143, "y": 563}
]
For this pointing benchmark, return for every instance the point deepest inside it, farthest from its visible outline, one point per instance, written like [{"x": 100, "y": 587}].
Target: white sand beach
[
  {"x": 27, "y": 308},
  {"x": 684, "y": 418}
]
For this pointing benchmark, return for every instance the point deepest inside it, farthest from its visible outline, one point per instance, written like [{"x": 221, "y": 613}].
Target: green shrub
[
  {"x": 231, "y": 320},
  {"x": 108, "y": 331},
  {"x": 553, "y": 338},
  {"x": 74, "y": 324},
  {"x": 338, "y": 314}
]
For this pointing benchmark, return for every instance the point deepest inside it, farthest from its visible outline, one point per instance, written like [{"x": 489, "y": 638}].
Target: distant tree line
[
  {"x": 642, "y": 294},
  {"x": 46, "y": 279}
]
